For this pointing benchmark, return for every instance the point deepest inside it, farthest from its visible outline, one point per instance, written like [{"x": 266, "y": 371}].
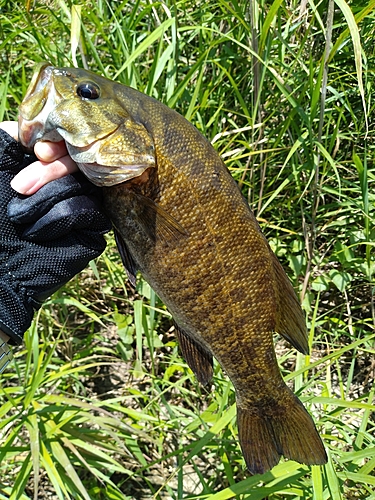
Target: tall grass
[{"x": 99, "y": 404}]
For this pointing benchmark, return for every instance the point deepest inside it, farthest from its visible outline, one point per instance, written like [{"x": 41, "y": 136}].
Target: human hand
[
  {"x": 46, "y": 238},
  {"x": 53, "y": 162}
]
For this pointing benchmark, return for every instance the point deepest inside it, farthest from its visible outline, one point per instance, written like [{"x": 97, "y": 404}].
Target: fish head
[{"x": 82, "y": 108}]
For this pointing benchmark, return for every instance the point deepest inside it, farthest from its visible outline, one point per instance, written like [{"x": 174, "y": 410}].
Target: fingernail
[{"x": 26, "y": 182}]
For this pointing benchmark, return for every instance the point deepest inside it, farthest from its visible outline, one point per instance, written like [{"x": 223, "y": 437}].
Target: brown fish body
[
  {"x": 217, "y": 277},
  {"x": 184, "y": 225}
]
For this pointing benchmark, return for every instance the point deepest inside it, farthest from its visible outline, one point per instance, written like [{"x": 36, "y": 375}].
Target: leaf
[
  {"x": 60, "y": 455},
  {"x": 340, "y": 278},
  {"x": 31, "y": 424},
  {"x": 354, "y": 33},
  {"x": 267, "y": 23},
  {"x": 3, "y": 92},
  {"x": 143, "y": 46},
  {"x": 320, "y": 284},
  {"x": 74, "y": 302},
  {"x": 332, "y": 479},
  {"x": 75, "y": 32}
]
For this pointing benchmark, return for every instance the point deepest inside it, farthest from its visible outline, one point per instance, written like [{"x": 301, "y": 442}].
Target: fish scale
[{"x": 182, "y": 222}]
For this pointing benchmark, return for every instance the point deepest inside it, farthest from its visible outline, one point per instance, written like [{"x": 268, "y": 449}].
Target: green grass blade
[
  {"x": 354, "y": 33},
  {"x": 143, "y": 46},
  {"x": 75, "y": 32}
]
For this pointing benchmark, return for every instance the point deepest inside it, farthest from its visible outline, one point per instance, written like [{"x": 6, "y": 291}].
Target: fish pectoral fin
[
  {"x": 126, "y": 257},
  {"x": 157, "y": 223},
  {"x": 291, "y": 322},
  {"x": 198, "y": 357}
]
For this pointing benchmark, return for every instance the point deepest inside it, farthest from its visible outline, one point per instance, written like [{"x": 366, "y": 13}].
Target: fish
[{"x": 181, "y": 221}]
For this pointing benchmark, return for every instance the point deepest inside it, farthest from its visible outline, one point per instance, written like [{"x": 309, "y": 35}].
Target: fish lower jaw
[
  {"x": 106, "y": 176},
  {"x": 30, "y": 132}
]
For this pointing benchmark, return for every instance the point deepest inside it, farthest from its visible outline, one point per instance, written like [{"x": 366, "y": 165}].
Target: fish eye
[{"x": 88, "y": 90}]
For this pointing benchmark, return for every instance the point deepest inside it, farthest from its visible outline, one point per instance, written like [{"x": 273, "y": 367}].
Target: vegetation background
[{"x": 98, "y": 403}]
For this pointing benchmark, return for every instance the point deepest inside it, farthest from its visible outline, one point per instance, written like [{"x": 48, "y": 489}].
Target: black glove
[{"x": 45, "y": 238}]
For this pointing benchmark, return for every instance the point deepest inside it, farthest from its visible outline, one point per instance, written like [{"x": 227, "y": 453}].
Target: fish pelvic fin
[
  {"x": 198, "y": 357},
  {"x": 291, "y": 322},
  {"x": 286, "y": 430}
]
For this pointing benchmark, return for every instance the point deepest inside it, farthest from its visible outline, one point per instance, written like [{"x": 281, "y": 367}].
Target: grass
[{"x": 99, "y": 404}]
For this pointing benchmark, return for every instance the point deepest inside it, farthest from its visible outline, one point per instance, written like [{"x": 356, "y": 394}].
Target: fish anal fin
[
  {"x": 197, "y": 357},
  {"x": 126, "y": 257},
  {"x": 291, "y": 322},
  {"x": 287, "y": 429},
  {"x": 157, "y": 223}
]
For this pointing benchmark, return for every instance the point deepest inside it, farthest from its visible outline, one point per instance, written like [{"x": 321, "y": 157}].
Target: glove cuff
[{"x": 16, "y": 312}]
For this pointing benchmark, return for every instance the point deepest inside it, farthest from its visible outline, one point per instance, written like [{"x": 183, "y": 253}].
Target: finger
[
  {"x": 39, "y": 173},
  {"x": 10, "y": 128},
  {"x": 50, "y": 151}
]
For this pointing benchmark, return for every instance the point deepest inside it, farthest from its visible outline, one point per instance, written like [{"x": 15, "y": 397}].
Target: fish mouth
[
  {"x": 52, "y": 111},
  {"x": 41, "y": 96}
]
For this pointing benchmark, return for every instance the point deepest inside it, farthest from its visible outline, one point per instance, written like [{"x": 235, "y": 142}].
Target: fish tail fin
[{"x": 286, "y": 429}]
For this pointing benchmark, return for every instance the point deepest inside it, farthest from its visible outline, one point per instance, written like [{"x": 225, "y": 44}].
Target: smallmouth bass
[{"x": 180, "y": 219}]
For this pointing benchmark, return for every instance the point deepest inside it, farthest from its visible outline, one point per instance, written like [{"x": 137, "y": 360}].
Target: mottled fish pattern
[{"x": 180, "y": 220}]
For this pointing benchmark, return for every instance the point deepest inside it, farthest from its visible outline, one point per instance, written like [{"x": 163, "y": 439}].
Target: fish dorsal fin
[
  {"x": 157, "y": 223},
  {"x": 126, "y": 257},
  {"x": 291, "y": 322},
  {"x": 198, "y": 357}
]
